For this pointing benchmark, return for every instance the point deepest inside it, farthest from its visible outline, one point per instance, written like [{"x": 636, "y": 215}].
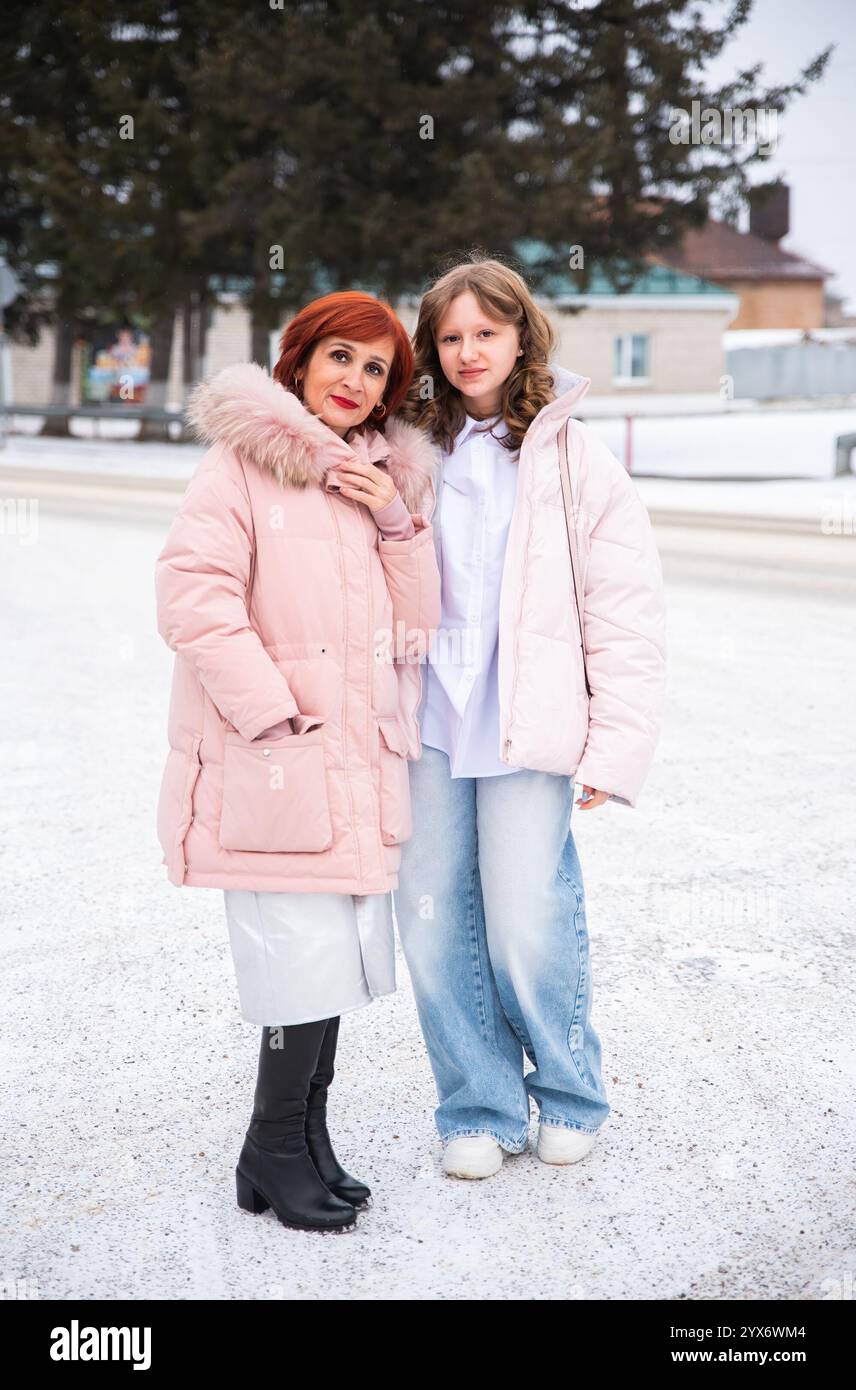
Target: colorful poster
[{"x": 120, "y": 366}]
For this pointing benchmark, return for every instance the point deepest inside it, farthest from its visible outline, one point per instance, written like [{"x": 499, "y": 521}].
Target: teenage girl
[{"x": 542, "y": 673}]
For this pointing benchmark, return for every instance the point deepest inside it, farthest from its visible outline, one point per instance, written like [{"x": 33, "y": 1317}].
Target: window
[{"x": 631, "y": 357}]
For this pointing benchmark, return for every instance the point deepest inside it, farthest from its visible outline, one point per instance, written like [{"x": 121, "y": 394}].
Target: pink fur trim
[
  {"x": 244, "y": 407},
  {"x": 412, "y": 462}
]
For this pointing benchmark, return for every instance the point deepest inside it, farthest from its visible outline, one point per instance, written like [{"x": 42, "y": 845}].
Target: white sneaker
[
  {"x": 472, "y": 1156},
  {"x": 557, "y": 1144}
]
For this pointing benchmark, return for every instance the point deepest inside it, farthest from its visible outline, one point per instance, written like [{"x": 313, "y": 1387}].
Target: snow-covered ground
[
  {"x": 744, "y": 442},
  {"x": 741, "y": 444},
  {"x": 775, "y": 467},
  {"x": 721, "y": 920},
  {"x": 111, "y": 457}
]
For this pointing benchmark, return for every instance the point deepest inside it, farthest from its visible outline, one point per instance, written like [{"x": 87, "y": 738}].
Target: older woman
[{"x": 299, "y": 587}]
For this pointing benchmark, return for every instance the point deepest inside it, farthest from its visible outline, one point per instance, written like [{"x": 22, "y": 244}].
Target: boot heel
[{"x": 248, "y": 1198}]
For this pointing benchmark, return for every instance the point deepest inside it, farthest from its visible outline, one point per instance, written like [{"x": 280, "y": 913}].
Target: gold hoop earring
[{"x": 382, "y": 409}]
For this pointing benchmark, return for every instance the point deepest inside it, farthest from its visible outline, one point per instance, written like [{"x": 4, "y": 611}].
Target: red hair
[{"x": 348, "y": 314}]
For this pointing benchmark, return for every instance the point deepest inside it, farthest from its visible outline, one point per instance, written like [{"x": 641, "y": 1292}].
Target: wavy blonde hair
[{"x": 504, "y": 296}]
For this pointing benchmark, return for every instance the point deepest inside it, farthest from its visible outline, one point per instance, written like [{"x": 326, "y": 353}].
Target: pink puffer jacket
[
  {"x": 547, "y": 719},
  {"x": 331, "y": 625}
]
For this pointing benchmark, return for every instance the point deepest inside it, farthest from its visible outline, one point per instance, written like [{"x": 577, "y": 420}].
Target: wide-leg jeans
[{"x": 491, "y": 917}]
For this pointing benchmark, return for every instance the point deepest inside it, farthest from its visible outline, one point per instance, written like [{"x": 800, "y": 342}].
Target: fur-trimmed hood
[{"x": 245, "y": 408}]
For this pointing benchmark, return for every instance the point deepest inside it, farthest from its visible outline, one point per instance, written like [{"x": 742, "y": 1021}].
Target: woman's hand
[
  {"x": 595, "y": 799},
  {"x": 366, "y": 483}
]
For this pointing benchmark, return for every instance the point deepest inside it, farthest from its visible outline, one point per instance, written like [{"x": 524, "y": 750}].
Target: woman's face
[
  {"x": 477, "y": 353},
  {"x": 343, "y": 380}
]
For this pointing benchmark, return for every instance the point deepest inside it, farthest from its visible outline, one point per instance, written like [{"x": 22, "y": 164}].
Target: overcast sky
[{"x": 816, "y": 148}]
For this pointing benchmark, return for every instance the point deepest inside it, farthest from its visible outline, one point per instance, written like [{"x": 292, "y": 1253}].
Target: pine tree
[{"x": 339, "y": 143}]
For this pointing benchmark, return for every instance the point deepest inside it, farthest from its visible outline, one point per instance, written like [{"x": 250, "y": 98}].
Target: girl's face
[
  {"x": 343, "y": 380},
  {"x": 477, "y": 353}
]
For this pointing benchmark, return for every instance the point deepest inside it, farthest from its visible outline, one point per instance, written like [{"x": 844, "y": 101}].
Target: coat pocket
[
  {"x": 395, "y": 816},
  {"x": 275, "y": 794}
]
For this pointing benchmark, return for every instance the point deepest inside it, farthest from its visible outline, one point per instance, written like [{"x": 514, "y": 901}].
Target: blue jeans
[{"x": 491, "y": 918}]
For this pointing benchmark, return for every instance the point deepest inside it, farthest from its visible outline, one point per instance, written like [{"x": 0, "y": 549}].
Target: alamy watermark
[
  {"x": 19, "y": 516},
  {"x": 731, "y": 125}
]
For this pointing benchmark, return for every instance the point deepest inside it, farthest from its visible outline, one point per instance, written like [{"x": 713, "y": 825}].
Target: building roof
[
  {"x": 652, "y": 279},
  {"x": 720, "y": 252}
]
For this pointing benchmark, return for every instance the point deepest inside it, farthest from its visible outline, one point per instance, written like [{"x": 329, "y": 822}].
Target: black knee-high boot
[
  {"x": 317, "y": 1137},
  {"x": 275, "y": 1168}
]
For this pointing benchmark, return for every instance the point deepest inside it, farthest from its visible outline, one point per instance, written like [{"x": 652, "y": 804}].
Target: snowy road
[{"x": 721, "y": 914}]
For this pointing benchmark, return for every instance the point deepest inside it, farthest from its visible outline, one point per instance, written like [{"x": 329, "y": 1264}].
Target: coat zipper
[
  {"x": 506, "y": 747},
  {"x": 345, "y": 635},
  {"x": 436, "y": 493}
]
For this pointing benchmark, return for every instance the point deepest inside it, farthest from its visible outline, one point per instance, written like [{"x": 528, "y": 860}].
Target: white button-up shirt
[{"x": 460, "y": 713}]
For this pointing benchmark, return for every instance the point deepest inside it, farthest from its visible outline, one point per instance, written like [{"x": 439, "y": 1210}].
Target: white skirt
[{"x": 300, "y": 957}]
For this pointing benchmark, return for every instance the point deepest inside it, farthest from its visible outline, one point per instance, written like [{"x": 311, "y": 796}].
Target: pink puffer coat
[
  {"x": 547, "y": 720},
  {"x": 332, "y": 624}
]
